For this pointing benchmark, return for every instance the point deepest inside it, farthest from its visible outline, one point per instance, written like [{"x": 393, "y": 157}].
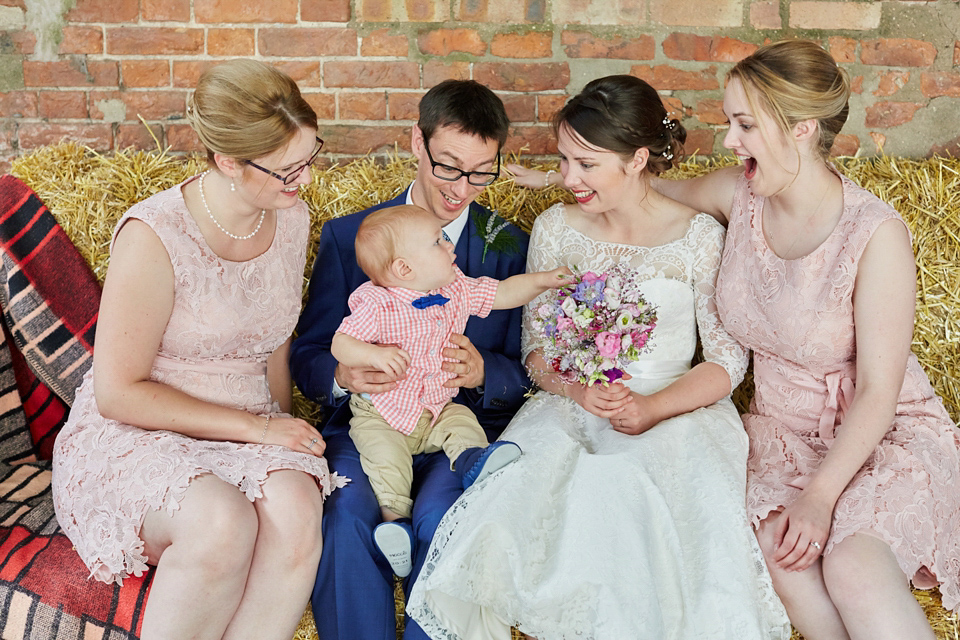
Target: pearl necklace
[{"x": 203, "y": 198}]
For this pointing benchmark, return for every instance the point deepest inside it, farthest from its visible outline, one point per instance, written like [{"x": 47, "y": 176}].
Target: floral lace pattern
[
  {"x": 596, "y": 534},
  {"x": 797, "y": 316},
  {"x": 227, "y": 318}
]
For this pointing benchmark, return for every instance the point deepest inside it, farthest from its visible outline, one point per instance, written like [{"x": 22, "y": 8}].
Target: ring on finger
[
  {"x": 815, "y": 545},
  {"x": 312, "y": 442}
]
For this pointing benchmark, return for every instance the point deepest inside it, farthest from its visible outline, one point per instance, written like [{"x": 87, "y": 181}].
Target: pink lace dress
[
  {"x": 797, "y": 317},
  {"x": 227, "y": 318}
]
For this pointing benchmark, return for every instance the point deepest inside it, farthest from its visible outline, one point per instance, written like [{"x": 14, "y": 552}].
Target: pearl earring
[{"x": 233, "y": 187}]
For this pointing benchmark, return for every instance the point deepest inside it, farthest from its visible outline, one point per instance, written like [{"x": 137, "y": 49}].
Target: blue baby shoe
[
  {"x": 476, "y": 463},
  {"x": 395, "y": 541}
]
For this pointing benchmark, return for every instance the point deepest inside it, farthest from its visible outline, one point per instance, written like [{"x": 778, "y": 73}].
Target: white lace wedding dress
[{"x": 596, "y": 534}]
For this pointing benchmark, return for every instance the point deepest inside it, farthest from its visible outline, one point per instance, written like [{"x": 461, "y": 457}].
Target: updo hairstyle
[
  {"x": 796, "y": 80},
  {"x": 622, "y": 114},
  {"x": 246, "y": 109}
]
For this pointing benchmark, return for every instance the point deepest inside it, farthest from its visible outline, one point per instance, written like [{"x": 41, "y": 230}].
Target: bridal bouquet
[{"x": 595, "y": 326}]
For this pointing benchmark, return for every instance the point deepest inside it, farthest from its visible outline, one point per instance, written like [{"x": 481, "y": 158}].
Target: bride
[{"x": 624, "y": 517}]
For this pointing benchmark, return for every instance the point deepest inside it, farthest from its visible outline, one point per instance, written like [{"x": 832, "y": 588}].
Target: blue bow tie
[{"x": 429, "y": 301}]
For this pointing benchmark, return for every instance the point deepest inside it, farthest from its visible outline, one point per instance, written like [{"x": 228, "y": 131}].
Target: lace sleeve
[
  {"x": 718, "y": 346},
  {"x": 542, "y": 255}
]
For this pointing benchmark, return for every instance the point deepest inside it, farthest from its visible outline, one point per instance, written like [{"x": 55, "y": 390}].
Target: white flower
[
  {"x": 569, "y": 306},
  {"x": 611, "y": 297},
  {"x": 624, "y": 320}
]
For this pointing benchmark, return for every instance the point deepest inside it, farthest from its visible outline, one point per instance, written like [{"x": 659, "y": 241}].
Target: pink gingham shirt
[{"x": 386, "y": 315}]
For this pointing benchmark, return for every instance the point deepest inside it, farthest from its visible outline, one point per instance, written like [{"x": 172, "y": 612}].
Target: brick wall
[{"x": 363, "y": 64}]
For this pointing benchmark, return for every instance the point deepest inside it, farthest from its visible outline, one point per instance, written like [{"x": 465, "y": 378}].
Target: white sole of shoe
[
  {"x": 394, "y": 543},
  {"x": 499, "y": 458}
]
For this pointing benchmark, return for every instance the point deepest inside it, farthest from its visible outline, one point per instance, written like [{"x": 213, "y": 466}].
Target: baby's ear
[{"x": 401, "y": 270}]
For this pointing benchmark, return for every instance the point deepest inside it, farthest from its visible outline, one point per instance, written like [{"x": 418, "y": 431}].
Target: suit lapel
[{"x": 474, "y": 260}]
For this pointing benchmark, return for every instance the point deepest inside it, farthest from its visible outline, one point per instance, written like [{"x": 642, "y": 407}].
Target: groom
[{"x": 457, "y": 142}]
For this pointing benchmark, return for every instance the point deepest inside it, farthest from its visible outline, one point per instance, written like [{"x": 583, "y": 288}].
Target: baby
[{"x": 396, "y": 327}]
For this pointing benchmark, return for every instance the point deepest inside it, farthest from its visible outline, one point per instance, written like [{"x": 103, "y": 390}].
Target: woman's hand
[
  {"x": 802, "y": 532},
  {"x": 602, "y": 401},
  {"x": 292, "y": 433},
  {"x": 636, "y": 417},
  {"x": 529, "y": 178}
]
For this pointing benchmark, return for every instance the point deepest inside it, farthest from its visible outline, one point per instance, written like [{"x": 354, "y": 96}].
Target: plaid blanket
[{"x": 49, "y": 300}]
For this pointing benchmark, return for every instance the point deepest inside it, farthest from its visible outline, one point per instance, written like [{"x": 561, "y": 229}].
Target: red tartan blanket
[{"x": 49, "y": 300}]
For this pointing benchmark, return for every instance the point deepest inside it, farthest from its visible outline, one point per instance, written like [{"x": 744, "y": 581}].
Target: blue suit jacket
[{"x": 336, "y": 274}]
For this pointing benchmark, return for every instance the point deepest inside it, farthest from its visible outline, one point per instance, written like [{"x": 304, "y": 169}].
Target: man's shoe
[
  {"x": 395, "y": 542},
  {"x": 476, "y": 463}
]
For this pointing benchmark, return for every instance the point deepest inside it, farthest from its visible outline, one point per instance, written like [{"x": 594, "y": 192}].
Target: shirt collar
[{"x": 454, "y": 228}]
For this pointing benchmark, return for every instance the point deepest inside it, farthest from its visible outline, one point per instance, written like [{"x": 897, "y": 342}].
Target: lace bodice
[{"x": 678, "y": 277}]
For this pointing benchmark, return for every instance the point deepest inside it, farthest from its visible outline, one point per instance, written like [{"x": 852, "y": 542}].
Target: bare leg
[
  {"x": 803, "y": 593},
  {"x": 871, "y": 592},
  {"x": 203, "y": 554},
  {"x": 389, "y": 515},
  {"x": 285, "y": 559}
]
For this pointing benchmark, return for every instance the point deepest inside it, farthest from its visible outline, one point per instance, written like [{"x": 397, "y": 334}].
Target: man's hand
[
  {"x": 468, "y": 366},
  {"x": 364, "y": 379}
]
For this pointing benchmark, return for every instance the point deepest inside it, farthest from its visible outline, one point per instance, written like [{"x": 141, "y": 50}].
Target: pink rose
[
  {"x": 608, "y": 344},
  {"x": 590, "y": 277}
]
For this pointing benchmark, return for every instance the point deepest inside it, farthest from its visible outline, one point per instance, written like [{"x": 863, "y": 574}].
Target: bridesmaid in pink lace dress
[
  {"x": 178, "y": 452},
  {"x": 854, "y": 468}
]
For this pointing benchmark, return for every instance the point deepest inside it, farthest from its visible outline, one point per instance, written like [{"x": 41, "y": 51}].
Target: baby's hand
[
  {"x": 530, "y": 178},
  {"x": 390, "y": 359},
  {"x": 557, "y": 278}
]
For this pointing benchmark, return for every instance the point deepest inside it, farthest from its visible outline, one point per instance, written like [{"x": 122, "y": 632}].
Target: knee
[
  {"x": 222, "y": 546},
  {"x": 846, "y": 577},
  {"x": 295, "y": 517}
]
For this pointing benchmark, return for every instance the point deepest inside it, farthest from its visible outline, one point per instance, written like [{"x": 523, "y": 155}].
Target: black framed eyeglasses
[
  {"x": 293, "y": 175},
  {"x": 452, "y": 174}
]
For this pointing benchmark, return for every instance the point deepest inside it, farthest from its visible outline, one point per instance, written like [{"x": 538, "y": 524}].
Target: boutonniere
[{"x": 492, "y": 229}]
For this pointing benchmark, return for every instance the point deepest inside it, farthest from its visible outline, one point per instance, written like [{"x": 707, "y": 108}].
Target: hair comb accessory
[
  {"x": 429, "y": 301},
  {"x": 668, "y": 153},
  {"x": 668, "y": 123}
]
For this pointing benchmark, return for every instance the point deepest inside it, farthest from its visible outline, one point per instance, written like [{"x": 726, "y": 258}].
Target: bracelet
[
  {"x": 546, "y": 179},
  {"x": 264, "y": 432}
]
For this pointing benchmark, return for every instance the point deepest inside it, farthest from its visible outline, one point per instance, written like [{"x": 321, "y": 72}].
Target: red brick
[
  {"x": 667, "y": 78},
  {"x": 325, "y": 10},
  {"x": 138, "y": 136},
  {"x": 856, "y": 85},
  {"x": 878, "y": 139},
  {"x": 325, "y": 104},
  {"x": 843, "y": 50},
  {"x": 6, "y": 161},
  {"x": 548, "y": 105},
  {"x": 72, "y": 72},
  {"x": 890, "y": 114},
  {"x": 361, "y": 139},
  {"x": 950, "y": 148},
  {"x": 687, "y": 46},
  {"x": 18, "y": 104},
  {"x": 944, "y": 83},
  {"x": 19, "y": 42},
  {"x": 154, "y": 105},
  {"x": 404, "y": 106},
  {"x": 700, "y": 142},
  {"x": 891, "y": 82},
  {"x": 305, "y": 73},
  {"x": 382, "y": 43},
  {"x": 522, "y": 76},
  {"x": 697, "y": 13},
  {"x": 675, "y": 108},
  {"x": 375, "y": 10},
  {"x": 62, "y": 104},
  {"x": 104, "y": 11},
  {"x": 13, "y": 3},
  {"x": 710, "y": 112},
  {"x": 82, "y": 40},
  {"x": 538, "y": 140},
  {"x": 181, "y": 137},
  {"x": 362, "y": 106},
  {"x": 898, "y": 52},
  {"x": 299, "y": 42},
  {"x": 621, "y": 12},
  {"x": 153, "y": 41},
  {"x": 521, "y": 107},
  {"x": 220, "y": 11},
  {"x": 165, "y": 10},
  {"x": 583, "y": 44},
  {"x": 500, "y": 12},
  {"x": 765, "y": 15},
  {"x": 851, "y": 16},
  {"x": 443, "y": 42},
  {"x": 532, "y": 44},
  {"x": 956, "y": 54},
  {"x": 845, "y": 145},
  {"x": 186, "y": 73},
  {"x": 98, "y": 137},
  {"x": 8, "y": 139},
  {"x": 145, "y": 73},
  {"x": 436, "y": 71},
  {"x": 231, "y": 42},
  {"x": 364, "y": 74},
  {"x": 427, "y": 10}
]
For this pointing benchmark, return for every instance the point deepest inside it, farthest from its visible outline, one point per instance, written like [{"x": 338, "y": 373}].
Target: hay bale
[{"x": 89, "y": 192}]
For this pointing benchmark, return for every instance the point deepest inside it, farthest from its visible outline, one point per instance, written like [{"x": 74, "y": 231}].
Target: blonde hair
[
  {"x": 380, "y": 238},
  {"x": 246, "y": 109},
  {"x": 796, "y": 80}
]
